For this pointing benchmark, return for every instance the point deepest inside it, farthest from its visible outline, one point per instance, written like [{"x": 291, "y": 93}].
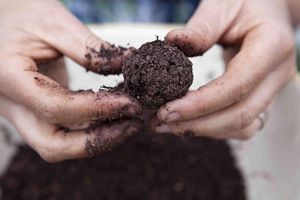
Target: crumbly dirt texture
[
  {"x": 148, "y": 167},
  {"x": 156, "y": 73}
]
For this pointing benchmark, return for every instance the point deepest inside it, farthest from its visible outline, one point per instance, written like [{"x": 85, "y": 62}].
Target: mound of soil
[
  {"x": 156, "y": 73},
  {"x": 148, "y": 167}
]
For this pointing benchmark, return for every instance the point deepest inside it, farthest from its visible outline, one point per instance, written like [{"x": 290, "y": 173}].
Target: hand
[
  {"x": 259, "y": 52},
  {"x": 37, "y": 32}
]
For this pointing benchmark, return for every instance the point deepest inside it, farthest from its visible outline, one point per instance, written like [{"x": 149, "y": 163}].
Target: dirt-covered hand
[
  {"x": 259, "y": 52},
  {"x": 35, "y": 32}
]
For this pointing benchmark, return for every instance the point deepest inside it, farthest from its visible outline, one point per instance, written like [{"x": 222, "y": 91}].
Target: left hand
[
  {"x": 259, "y": 52},
  {"x": 36, "y": 99}
]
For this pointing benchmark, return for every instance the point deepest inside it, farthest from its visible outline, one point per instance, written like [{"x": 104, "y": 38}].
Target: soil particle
[
  {"x": 134, "y": 110},
  {"x": 42, "y": 82},
  {"x": 103, "y": 61},
  {"x": 156, "y": 73},
  {"x": 147, "y": 166}
]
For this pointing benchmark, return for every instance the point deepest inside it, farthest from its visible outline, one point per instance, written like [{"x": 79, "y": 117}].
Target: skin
[
  {"x": 259, "y": 53},
  {"x": 33, "y": 82},
  {"x": 258, "y": 49}
]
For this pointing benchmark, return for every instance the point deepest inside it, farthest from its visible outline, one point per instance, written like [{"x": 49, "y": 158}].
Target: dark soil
[
  {"x": 156, "y": 73},
  {"x": 146, "y": 167}
]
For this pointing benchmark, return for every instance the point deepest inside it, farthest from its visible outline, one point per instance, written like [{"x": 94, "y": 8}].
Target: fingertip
[
  {"x": 106, "y": 136},
  {"x": 105, "y": 58},
  {"x": 116, "y": 104},
  {"x": 63, "y": 146},
  {"x": 167, "y": 114},
  {"x": 187, "y": 41},
  {"x": 173, "y": 35}
]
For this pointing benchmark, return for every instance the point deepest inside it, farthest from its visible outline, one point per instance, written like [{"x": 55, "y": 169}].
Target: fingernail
[
  {"x": 173, "y": 116},
  {"x": 166, "y": 116},
  {"x": 163, "y": 128}
]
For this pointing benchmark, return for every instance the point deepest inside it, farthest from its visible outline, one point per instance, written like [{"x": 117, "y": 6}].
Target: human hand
[
  {"x": 259, "y": 52},
  {"x": 36, "y": 32}
]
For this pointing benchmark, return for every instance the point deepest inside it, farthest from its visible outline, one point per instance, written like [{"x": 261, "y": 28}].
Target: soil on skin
[
  {"x": 103, "y": 61},
  {"x": 148, "y": 167},
  {"x": 156, "y": 73}
]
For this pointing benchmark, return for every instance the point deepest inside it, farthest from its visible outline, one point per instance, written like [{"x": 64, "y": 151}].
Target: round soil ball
[{"x": 156, "y": 73}]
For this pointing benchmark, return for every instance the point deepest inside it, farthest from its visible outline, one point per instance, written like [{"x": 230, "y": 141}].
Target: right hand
[
  {"x": 35, "y": 32},
  {"x": 260, "y": 55}
]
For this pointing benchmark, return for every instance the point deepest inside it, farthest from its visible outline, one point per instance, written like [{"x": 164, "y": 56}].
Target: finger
[
  {"x": 53, "y": 144},
  {"x": 57, "y": 105},
  {"x": 205, "y": 27},
  {"x": 239, "y": 116},
  {"x": 244, "y": 134},
  {"x": 258, "y": 57},
  {"x": 72, "y": 38},
  {"x": 229, "y": 53},
  {"x": 104, "y": 137},
  {"x": 56, "y": 70}
]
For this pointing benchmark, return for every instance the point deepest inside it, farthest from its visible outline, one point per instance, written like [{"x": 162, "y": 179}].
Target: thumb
[
  {"x": 72, "y": 38},
  {"x": 207, "y": 25}
]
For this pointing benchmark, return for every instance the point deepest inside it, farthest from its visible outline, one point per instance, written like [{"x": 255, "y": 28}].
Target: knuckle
[
  {"x": 48, "y": 154},
  {"x": 28, "y": 64},
  {"x": 51, "y": 112},
  {"x": 92, "y": 41},
  {"x": 199, "y": 33},
  {"x": 243, "y": 119},
  {"x": 245, "y": 85},
  {"x": 201, "y": 29},
  {"x": 203, "y": 109},
  {"x": 201, "y": 104},
  {"x": 284, "y": 38}
]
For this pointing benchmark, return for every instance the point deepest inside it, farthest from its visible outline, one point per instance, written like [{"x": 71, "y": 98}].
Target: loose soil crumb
[
  {"x": 148, "y": 167},
  {"x": 156, "y": 73}
]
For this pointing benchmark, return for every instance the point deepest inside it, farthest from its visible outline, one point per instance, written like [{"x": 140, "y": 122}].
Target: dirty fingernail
[{"x": 163, "y": 128}]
